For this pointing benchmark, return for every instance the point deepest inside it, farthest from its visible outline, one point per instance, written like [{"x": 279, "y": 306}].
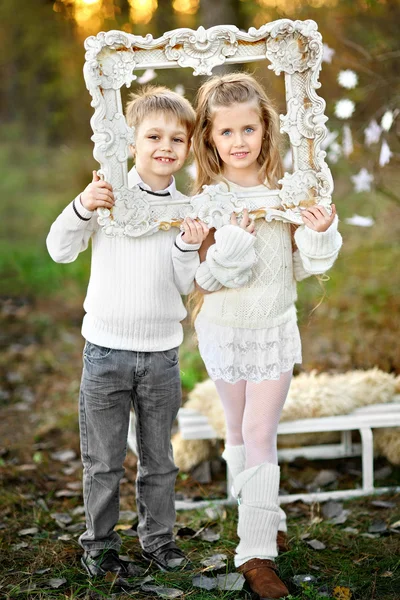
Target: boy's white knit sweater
[
  {"x": 268, "y": 298},
  {"x": 133, "y": 300}
]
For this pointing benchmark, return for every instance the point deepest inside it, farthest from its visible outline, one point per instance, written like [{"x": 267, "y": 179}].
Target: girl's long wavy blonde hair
[{"x": 223, "y": 91}]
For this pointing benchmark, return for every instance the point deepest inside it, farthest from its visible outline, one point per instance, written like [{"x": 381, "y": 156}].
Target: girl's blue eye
[
  {"x": 178, "y": 140},
  {"x": 249, "y": 130},
  {"x": 227, "y": 132}
]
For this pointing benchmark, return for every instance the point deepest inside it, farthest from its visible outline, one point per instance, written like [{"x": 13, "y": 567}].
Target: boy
[{"x": 132, "y": 330}]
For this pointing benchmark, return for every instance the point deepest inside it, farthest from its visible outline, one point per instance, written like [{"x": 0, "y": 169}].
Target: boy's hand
[
  {"x": 246, "y": 223},
  {"x": 317, "y": 218},
  {"x": 98, "y": 194},
  {"x": 194, "y": 232}
]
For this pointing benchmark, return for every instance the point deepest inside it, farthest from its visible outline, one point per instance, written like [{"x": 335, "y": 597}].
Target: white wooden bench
[{"x": 193, "y": 425}]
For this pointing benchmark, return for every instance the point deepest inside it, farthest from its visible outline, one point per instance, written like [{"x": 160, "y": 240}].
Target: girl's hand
[
  {"x": 194, "y": 232},
  {"x": 98, "y": 194},
  {"x": 246, "y": 223},
  {"x": 317, "y": 218}
]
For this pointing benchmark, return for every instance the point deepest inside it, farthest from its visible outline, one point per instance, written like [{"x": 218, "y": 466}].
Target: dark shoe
[
  {"x": 167, "y": 558},
  {"x": 282, "y": 541},
  {"x": 261, "y": 575},
  {"x": 99, "y": 563}
]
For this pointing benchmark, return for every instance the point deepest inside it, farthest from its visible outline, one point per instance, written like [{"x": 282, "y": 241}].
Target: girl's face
[{"x": 237, "y": 133}]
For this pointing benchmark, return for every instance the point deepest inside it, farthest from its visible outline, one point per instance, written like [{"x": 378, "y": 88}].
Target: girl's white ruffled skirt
[{"x": 234, "y": 353}]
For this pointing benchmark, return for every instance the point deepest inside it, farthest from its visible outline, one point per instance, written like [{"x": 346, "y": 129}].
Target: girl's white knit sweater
[
  {"x": 268, "y": 299},
  {"x": 133, "y": 300}
]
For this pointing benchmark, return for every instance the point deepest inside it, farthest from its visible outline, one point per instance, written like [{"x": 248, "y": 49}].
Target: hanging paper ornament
[
  {"x": 147, "y": 76},
  {"x": 372, "y": 133},
  {"x": 362, "y": 181},
  {"x": 327, "y": 54},
  {"x": 348, "y": 79},
  {"x": 385, "y": 154},
  {"x": 387, "y": 120},
  {"x": 347, "y": 141},
  {"x": 344, "y": 108}
]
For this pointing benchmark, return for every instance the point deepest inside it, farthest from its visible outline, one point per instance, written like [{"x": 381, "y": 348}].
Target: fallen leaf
[
  {"x": 316, "y": 545},
  {"x": 66, "y": 494},
  {"x": 41, "y": 571},
  {"x": 19, "y": 546},
  {"x": 203, "y": 582},
  {"x": 216, "y": 513},
  {"x": 325, "y": 477},
  {"x": 162, "y": 591},
  {"x": 377, "y": 526},
  {"x": 300, "y": 579},
  {"x": 208, "y": 535},
  {"x": 383, "y": 504},
  {"x": 352, "y": 530},
  {"x": 63, "y": 455},
  {"x": 217, "y": 561},
  {"x": 56, "y": 583},
  {"x": 342, "y": 593},
  {"x": 63, "y": 518},
  {"x": 232, "y": 581},
  {"x": 127, "y": 515},
  {"x": 66, "y": 537},
  {"x": 28, "y": 531},
  {"x": 340, "y": 519},
  {"x": 128, "y": 532},
  {"x": 332, "y": 509},
  {"x": 387, "y": 574}
]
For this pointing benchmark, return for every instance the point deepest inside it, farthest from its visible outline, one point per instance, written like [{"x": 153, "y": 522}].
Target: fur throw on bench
[{"x": 310, "y": 395}]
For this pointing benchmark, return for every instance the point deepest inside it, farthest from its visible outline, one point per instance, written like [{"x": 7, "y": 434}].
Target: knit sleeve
[
  {"x": 229, "y": 261},
  {"x": 317, "y": 250},
  {"x": 185, "y": 260},
  {"x": 70, "y": 233}
]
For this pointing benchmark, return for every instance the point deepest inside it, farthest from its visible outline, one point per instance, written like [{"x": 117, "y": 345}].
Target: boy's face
[{"x": 161, "y": 148}]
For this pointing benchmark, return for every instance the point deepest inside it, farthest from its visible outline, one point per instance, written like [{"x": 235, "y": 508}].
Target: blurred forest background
[{"x": 46, "y": 159}]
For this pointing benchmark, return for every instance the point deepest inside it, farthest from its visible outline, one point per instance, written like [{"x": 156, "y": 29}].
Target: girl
[{"x": 246, "y": 327}]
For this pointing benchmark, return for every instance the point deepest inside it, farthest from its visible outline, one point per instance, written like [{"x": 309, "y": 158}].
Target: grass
[{"x": 42, "y": 348}]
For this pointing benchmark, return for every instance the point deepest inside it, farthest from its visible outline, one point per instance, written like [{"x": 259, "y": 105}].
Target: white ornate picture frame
[{"x": 293, "y": 47}]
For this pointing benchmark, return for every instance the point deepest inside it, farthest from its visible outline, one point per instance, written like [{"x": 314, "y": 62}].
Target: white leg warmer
[
  {"x": 257, "y": 491},
  {"x": 282, "y": 522}
]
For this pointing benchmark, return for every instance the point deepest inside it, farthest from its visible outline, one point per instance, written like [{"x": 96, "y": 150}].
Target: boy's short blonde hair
[{"x": 152, "y": 99}]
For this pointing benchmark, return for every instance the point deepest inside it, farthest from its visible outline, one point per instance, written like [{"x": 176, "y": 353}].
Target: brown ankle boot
[
  {"x": 282, "y": 541},
  {"x": 261, "y": 575}
]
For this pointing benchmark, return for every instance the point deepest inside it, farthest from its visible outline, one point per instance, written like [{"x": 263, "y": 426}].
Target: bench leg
[{"x": 367, "y": 459}]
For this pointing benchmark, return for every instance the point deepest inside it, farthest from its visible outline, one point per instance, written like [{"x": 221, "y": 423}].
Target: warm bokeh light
[
  {"x": 141, "y": 11},
  {"x": 187, "y": 7},
  {"x": 290, "y": 5}
]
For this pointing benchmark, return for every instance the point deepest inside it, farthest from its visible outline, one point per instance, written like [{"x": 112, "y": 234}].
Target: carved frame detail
[{"x": 292, "y": 47}]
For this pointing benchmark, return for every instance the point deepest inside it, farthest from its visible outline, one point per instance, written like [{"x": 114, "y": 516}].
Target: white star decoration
[
  {"x": 180, "y": 89},
  {"x": 385, "y": 154},
  {"x": 360, "y": 221},
  {"x": 344, "y": 108},
  {"x": 387, "y": 120},
  {"x": 327, "y": 54},
  {"x": 147, "y": 76},
  {"x": 347, "y": 142},
  {"x": 362, "y": 181},
  {"x": 348, "y": 79},
  {"x": 372, "y": 133}
]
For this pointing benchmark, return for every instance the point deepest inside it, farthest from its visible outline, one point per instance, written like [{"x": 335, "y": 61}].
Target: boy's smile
[{"x": 161, "y": 148}]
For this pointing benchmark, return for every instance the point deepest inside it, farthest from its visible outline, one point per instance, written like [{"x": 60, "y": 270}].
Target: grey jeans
[{"x": 113, "y": 381}]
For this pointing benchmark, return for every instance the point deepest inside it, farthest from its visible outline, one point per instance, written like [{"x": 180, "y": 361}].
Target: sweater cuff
[
  {"x": 318, "y": 244},
  {"x": 206, "y": 280},
  {"x": 80, "y": 211},
  {"x": 184, "y": 246},
  {"x": 233, "y": 242}
]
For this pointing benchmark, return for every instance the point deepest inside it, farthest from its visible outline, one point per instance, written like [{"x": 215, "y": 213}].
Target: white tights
[{"x": 252, "y": 413}]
